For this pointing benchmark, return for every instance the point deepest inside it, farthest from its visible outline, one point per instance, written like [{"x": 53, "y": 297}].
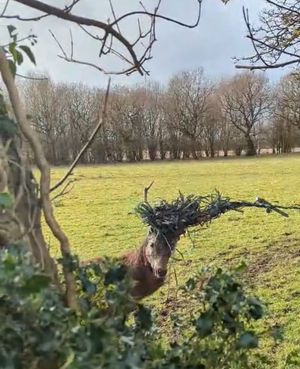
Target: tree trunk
[
  {"x": 251, "y": 151},
  {"x": 23, "y": 222}
]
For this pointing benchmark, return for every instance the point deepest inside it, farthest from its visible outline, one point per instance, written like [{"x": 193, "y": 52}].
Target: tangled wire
[{"x": 176, "y": 216}]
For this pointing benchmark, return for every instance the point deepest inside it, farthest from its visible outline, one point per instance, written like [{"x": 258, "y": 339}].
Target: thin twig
[
  {"x": 4, "y": 9},
  {"x": 89, "y": 141},
  {"x": 271, "y": 66},
  {"x": 146, "y": 190},
  {"x": 65, "y": 190},
  {"x": 32, "y": 78}
]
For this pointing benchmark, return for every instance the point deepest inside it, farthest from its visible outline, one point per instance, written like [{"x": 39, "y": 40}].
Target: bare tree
[
  {"x": 288, "y": 99},
  {"x": 245, "y": 102},
  {"x": 47, "y": 109},
  {"x": 153, "y": 118},
  {"x": 189, "y": 92},
  {"x": 127, "y": 118},
  {"x": 276, "y": 39},
  {"x": 212, "y": 127}
]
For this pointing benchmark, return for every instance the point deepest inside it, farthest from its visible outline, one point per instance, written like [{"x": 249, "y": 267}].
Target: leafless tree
[
  {"x": 276, "y": 40},
  {"x": 189, "y": 92},
  {"x": 216, "y": 133},
  {"x": 288, "y": 99},
  {"x": 127, "y": 118},
  {"x": 153, "y": 118},
  {"x": 245, "y": 102}
]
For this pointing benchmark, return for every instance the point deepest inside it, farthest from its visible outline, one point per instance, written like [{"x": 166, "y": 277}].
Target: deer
[{"x": 148, "y": 265}]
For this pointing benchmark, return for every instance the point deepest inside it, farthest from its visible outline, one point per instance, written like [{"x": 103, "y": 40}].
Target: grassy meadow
[{"x": 97, "y": 217}]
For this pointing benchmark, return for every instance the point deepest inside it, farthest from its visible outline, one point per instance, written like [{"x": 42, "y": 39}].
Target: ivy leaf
[
  {"x": 143, "y": 318},
  {"x": 256, "y": 310},
  {"x": 248, "y": 340},
  {"x": 190, "y": 284},
  {"x": 6, "y": 200},
  {"x": 19, "y": 58},
  {"x": 8, "y": 127},
  {"x": 115, "y": 274},
  {"x": 205, "y": 325},
  {"x": 28, "y": 52},
  {"x": 36, "y": 283},
  {"x": 12, "y": 67},
  {"x": 13, "y": 51},
  {"x": 11, "y": 29}
]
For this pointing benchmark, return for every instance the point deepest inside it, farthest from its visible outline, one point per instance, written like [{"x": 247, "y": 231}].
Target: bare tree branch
[
  {"x": 32, "y": 78},
  {"x": 44, "y": 168},
  {"x": 4, "y": 8},
  {"x": 264, "y": 67},
  {"x": 112, "y": 32},
  {"x": 146, "y": 190},
  {"x": 289, "y": 9},
  {"x": 276, "y": 40}
]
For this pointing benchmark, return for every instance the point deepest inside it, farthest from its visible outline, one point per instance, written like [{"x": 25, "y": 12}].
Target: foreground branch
[
  {"x": 44, "y": 168},
  {"x": 111, "y": 32}
]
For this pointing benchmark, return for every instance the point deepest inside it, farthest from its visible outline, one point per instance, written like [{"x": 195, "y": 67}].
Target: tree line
[{"x": 189, "y": 117}]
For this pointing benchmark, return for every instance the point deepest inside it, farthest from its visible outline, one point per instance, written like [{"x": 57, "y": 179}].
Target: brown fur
[
  {"x": 145, "y": 281},
  {"x": 141, "y": 272}
]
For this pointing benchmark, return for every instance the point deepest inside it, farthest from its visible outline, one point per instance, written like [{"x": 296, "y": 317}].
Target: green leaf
[
  {"x": 28, "y": 52},
  {"x": 205, "y": 325},
  {"x": 143, "y": 318},
  {"x": 19, "y": 57},
  {"x": 13, "y": 51},
  {"x": 11, "y": 29},
  {"x": 12, "y": 67},
  {"x": 8, "y": 127},
  {"x": 36, "y": 283},
  {"x": 256, "y": 310},
  {"x": 6, "y": 200},
  {"x": 190, "y": 284},
  {"x": 115, "y": 274},
  {"x": 248, "y": 340}
]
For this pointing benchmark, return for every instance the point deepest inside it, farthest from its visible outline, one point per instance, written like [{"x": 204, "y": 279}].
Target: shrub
[{"x": 113, "y": 331}]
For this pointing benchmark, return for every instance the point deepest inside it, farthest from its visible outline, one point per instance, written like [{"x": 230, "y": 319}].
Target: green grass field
[{"x": 96, "y": 216}]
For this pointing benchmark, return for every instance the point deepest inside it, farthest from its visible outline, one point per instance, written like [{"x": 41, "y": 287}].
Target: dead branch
[
  {"x": 44, "y": 168},
  {"x": 32, "y": 78},
  {"x": 264, "y": 67},
  {"x": 89, "y": 142},
  {"x": 146, "y": 190},
  {"x": 4, "y": 8},
  {"x": 112, "y": 31},
  {"x": 276, "y": 38},
  {"x": 65, "y": 190}
]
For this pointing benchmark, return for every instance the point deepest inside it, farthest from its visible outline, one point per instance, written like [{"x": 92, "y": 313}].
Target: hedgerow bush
[{"x": 37, "y": 330}]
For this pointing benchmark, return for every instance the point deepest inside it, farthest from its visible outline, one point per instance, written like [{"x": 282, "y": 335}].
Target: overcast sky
[{"x": 219, "y": 37}]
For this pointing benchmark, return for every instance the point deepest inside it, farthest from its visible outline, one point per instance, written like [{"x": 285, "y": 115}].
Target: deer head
[{"x": 158, "y": 250}]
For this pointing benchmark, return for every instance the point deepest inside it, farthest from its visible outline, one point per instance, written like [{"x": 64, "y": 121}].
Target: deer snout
[{"x": 161, "y": 273}]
